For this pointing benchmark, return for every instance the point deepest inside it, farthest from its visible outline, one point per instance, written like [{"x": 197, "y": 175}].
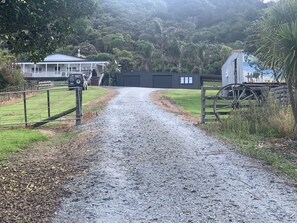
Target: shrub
[{"x": 10, "y": 77}]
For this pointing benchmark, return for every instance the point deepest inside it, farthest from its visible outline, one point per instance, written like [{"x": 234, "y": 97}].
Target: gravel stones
[{"x": 151, "y": 166}]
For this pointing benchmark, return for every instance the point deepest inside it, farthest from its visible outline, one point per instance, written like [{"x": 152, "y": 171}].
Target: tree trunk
[{"x": 292, "y": 88}]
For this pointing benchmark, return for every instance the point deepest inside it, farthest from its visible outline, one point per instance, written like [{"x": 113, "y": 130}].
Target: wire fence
[
  {"x": 29, "y": 86},
  {"x": 33, "y": 107}
]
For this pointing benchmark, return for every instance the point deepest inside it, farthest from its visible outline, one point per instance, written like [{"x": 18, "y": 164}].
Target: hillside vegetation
[{"x": 165, "y": 35}]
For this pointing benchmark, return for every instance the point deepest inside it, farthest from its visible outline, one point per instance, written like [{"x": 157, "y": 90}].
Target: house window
[
  {"x": 186, "y": 80},
  {"x": 182, "y": 80},
  {"x": 57, "y": 68},
  {"x": 190, "y": 80}
]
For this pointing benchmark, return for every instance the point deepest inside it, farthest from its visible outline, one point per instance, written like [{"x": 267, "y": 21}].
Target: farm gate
[
  {"x": 208, "y": 95},
  {"x": 34, "y": 108}
]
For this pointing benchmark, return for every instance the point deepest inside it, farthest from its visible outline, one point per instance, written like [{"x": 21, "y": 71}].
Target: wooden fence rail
[
  {"x": 280, "y": 94},
  {"x": 207, "y": 100},
  {"x": 44, "y": 85},
  {"x": 207, "y": 113}
]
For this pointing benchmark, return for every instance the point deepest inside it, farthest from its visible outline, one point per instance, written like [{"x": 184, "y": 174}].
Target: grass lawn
[
  {"x": 37, "y": 107},
  {"x": 93, "y": 93},
  {"x": 14, "y": 140},
  {"x": 189, "y": 100}
]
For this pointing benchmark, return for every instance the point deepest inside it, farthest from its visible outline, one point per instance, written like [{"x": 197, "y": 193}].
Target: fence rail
[
  {"x": 37, "y": 107},
  {"x": 44, "y": 85},
  {"x": 207, "y": 100},
  {"x": 280, "y": 94}
]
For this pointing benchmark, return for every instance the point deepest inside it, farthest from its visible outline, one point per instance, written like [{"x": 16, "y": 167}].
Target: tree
[
  {"x": 37, "y": 27},
  {"x": 278, "y": 45},
  {"x": 144, "y": 56},
  {"x": 123, "y": 59},
  {"x": 8, "y": 75},
  {"x": 160, "y": 39},
  {"x": 87, "y": 49}
]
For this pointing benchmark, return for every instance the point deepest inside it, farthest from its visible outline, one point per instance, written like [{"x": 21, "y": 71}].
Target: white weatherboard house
[
  {"x": 239, "y": 69},
  {"x": 60, "y": 65}
]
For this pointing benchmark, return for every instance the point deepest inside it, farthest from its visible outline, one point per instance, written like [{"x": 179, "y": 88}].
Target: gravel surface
[{"x": 151, "y": 166}]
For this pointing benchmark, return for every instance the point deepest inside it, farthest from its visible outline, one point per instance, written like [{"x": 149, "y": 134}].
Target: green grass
[
  {"x": 189, "y": 100},
  {"x": 93, "y": 93},
  {"x": 212, "y": 84},
  {"x": 15, "y": 140},
  {"x": 37, "y": 108}
]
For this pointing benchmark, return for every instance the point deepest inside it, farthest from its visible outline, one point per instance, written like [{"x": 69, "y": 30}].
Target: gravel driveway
[{"x": 151, "y": 166}]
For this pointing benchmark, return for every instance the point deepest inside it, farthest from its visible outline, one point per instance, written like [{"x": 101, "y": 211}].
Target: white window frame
[
  {"x": 182, "y": 80},
  {"x": 186, "y": 80},
  {"x": 190, "y": 80}
]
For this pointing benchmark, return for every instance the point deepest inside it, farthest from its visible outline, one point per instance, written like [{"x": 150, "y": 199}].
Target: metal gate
[{"x": 37, "y": 107}]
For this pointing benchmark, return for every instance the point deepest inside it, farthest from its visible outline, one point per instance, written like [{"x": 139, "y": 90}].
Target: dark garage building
[{"x": 164, "y": 80}]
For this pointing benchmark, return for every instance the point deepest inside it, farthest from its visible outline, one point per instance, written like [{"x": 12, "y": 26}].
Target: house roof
[
  {"x": 62, "y": 58},
  {"x": 65, "y": 59}
]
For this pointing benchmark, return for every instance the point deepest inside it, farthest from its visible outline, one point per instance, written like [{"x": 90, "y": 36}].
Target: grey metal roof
[{"x": 62, "y": 58}]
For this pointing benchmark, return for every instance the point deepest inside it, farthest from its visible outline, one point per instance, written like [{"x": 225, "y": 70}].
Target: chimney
[{"x": 78, "y": 52}]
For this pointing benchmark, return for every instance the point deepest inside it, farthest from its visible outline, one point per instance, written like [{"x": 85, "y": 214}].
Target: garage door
[
  {"x": 132, "y": 81},
  {"x": 162, "y": 81}
]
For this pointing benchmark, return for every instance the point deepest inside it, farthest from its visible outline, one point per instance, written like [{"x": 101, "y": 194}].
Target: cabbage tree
[{"x": 278, "y": 45}]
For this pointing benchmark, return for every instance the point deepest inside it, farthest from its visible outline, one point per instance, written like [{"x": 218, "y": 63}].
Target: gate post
[
  {"x": 48, "y": 104},
  {"x": 78, "y": 105},
  {"x": 25, "y": 108},
  {"x": 203, "y": 102}
]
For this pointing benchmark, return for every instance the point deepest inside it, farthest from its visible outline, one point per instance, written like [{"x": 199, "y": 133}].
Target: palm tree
[
  {"x": 144, "y": 57},
  {"x": 160, "y": 38},
  {"x": 278, "y": 45}
]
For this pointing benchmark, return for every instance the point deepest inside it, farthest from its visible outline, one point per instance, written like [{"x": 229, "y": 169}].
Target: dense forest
[
  {"x": 165, "y": 35},
  {"x": 190, "y": 36}
]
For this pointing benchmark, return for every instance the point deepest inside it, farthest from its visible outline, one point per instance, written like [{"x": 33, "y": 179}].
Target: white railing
[{"x": 52, "y": 73}]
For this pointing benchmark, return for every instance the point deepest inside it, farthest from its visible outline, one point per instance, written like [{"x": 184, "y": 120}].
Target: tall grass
[{"x": 269, "y": 120}]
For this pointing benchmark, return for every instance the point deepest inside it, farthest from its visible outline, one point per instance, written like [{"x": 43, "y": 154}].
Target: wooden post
[
  {"x": 48, "y": 104},
  {"x": 25, "y": 108},
  {"x": 78, "y": 105},
  {"x": 235, "y": 71},
  {"x": 202, "y": 105}
]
